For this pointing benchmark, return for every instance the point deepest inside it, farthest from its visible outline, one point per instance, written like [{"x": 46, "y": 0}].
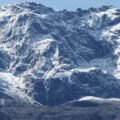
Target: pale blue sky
[{"x": 69, "y": 4}]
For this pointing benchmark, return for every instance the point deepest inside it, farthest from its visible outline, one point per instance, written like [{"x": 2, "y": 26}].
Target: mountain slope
[{"x": 59, "y": 56}]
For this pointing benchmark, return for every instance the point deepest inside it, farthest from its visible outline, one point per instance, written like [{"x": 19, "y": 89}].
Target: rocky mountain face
[{"x": 51, "y": 57}]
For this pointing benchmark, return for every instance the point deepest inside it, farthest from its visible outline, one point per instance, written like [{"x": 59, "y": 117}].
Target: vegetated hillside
[{"x": 84, "y": 110}]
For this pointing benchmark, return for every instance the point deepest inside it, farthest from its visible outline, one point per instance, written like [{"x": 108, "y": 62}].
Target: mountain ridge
[{"x": 60, "y": 56}]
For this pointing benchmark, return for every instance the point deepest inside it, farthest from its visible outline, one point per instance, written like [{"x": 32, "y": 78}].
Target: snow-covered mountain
[{"x": 51, "y": 57}]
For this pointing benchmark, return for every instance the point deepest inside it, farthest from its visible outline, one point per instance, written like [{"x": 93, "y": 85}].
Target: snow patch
[
  {"x": 42, "y": 45},
  {"x": 15, "y": 87},
  {"x": 97, "y": 99},
  {"x": 110, "y": 13}
]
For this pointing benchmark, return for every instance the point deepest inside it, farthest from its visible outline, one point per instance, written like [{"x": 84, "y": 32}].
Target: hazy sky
[{"x": 69, "y": 4}]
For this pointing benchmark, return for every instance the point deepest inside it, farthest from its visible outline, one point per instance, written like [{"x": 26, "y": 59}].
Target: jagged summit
[
  {"x": 103, "y": 8},
  {"x": 58, "y": 56},
  {"x": 26, "y": 6},
  {"x": 35, "y": 7}
]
